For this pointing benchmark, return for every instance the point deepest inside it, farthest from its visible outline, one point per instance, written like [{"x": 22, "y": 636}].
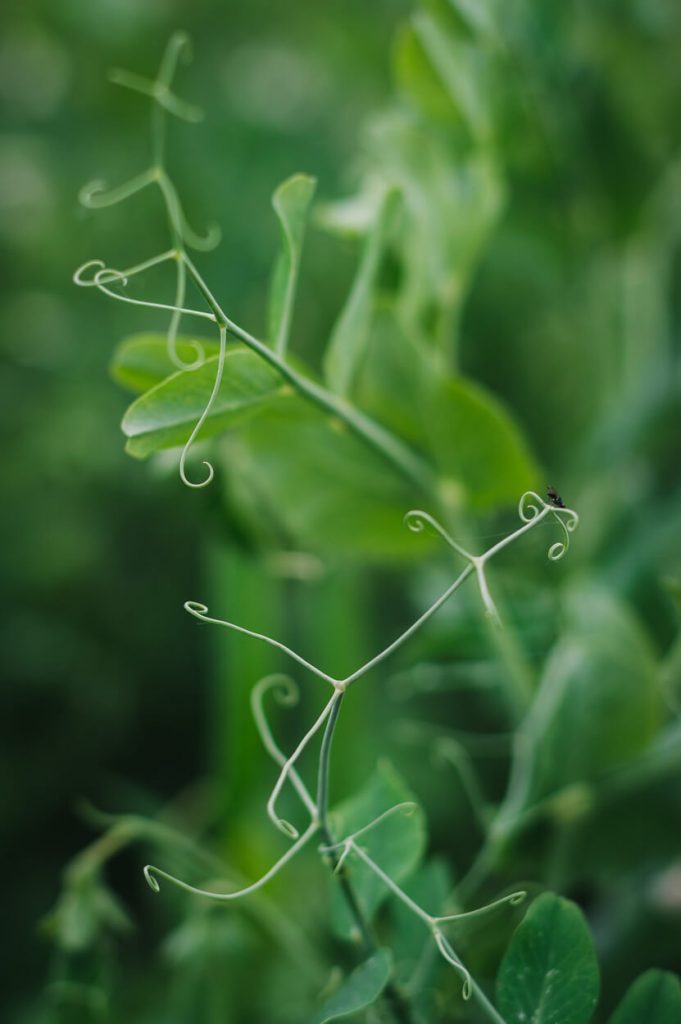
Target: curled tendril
[
  {"x": 568, "y": 525},
  {"x": 527, "y": 509},
  {"x": 406, "y": 807},
  {"x": 158, "y": 91},
  {"x": 451, "y": 957},
  {"x": 203, "y": 417},
  {"x": 152, "y": 874},
  {"x": 95, "y": 195},
  {"x": 202, "y": 243},
  {"x": 286, "y": 692},
  {"x": 417, "y": 521},
  {"x": 513, "y": 899}
]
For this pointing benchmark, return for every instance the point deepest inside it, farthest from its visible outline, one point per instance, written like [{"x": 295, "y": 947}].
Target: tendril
[
  {"x": 204, "y": 416},
  {"x": 286, "y": 692},
  {"x": 417, "y": 521},
  {"x": 568, "y": 525},
  {"x": 96, "y": 196},
  {"x": 159, "y": 92},
  {"x": 513, "y": 899},
  {"x": 451, "y": 957},
  {"x": 152, "y": 874},
  {"x": 407, "y": 807}
]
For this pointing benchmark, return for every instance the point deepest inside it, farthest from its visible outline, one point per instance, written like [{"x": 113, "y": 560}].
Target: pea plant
[{"x": 268, "y": 412}]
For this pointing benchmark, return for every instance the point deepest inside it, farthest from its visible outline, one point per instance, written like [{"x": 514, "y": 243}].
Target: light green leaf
[
  {"x": 329, "y": 491},
  {"x": 654, "y": 998},
  {"x": 142, "y": 361},
  {"x": 165, "y": 416},
  {"x": 348, "y": 338},
  {"x": 396, "y": 844},
  {"x": 291, "y": 202},
  {"x": 360, "y": 990},
  {"x": 549, "y": 973},
  {"x": 477, "y": 444}
]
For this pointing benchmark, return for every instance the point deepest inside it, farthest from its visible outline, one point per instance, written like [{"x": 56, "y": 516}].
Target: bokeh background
[{"x": 110, "y": 693}]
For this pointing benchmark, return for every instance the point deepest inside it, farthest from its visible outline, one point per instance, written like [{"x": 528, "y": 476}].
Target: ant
[{"x": 554, "y": 497}]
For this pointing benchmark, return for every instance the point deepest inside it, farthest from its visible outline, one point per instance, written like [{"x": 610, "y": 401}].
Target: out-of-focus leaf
[
  {"x": 416, "y": 75},
  {"x": 142, "y": 361},
  {"x": 598, "y": 702},
  {"x": 450, "y": 203},
  {"x": 654, "y": 998},
  {"x": 349, "y": 336},
  {"x": 549, "y": 974},
  {"x": 291, "y": 202},
  {"x": 84, "y": 910},
  {"x": 328, "y": 491},
  {"x": 165, "y": 416},
  {"x": 476, "y": 444},
  {"x": 360, "y": 990},
  {"x": 396, "y": 844}
]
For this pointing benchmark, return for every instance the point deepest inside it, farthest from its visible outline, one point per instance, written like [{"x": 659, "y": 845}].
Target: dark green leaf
[
  {"x": 396, "y": 844},
  {"x": 654, "y": 998},
  {"x": 549, "y": 974},
  {"x": 165, "y": 416},
  {"x": 291, "y": 202},
  {"x": 360, "y": 990},
  {"x": 142, "y": 361}
]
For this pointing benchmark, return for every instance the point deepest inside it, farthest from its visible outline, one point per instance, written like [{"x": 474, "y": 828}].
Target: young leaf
[
  {"x": 349, "y": 335},
  {"x": 549, "y": 974},
  {"x": 291, "y": 202},
  {"x": 396, "y": 844},
  {"x": 654, "y": 998},
  {"x": 164, "y": 416},
  {"x": 360, "y": 990},
  {"x": 477, "y": 443},
  {"x": 142, "y": 361}
]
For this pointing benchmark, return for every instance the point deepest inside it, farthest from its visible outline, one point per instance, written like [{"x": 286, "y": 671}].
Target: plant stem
[{"x": 399, "y": 1005}]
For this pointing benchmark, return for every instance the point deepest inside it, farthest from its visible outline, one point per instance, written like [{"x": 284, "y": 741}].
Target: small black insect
[{"x": 554, "y": 497}]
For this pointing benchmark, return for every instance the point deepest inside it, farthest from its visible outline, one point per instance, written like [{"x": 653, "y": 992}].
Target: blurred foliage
[{"x": 499, "y": 288}]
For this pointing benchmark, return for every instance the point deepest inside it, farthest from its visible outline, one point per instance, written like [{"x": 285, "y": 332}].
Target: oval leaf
[
  {"x": 549, "y": 974},
  {"x": 654, "y": 998},
  {"x": 360, "y": 990},
  {"x": 165, "y": 416},
  {"x": 141, "y": 361}
]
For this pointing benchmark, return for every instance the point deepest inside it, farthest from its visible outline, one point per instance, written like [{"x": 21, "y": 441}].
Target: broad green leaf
[
  {"x": 417, "y": 77},
  {"x": 477, "y": 444},
  {"x": 165, "y": 416},
  {"x": 654, "y": 998},
  {"x": 348, "y": 340},
  {"x": 396, "y": 844},
  {"x": 549, "y": 973},
  {"x": 291, "y": 202},
  {"x": 328, "y": 490},
  {"x": 360, "y": 990},
  {"x": 598, "y": 702},
  {"x": 142, "y": 361}
]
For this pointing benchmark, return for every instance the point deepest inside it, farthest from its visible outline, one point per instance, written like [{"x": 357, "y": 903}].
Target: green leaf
[
  {"x": 165, "y": 416},
  {"x": 429, "y": 886},
  {"x": 451, "y": 201},
  {"x": 396, "y": 844},
  {"x": 328, "y": 490},
  {"x": 598, "y": 702},
  {"x": 361, "y": 989},
  {"x": 142, "y": 361},
  {"x": 291, "y": 202},
  {"x": 349, "y": 336},
  {"x": 654, "y": 998},
  {"x": 477, "y": 444},
  {"x": 549, "y": 973}
]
